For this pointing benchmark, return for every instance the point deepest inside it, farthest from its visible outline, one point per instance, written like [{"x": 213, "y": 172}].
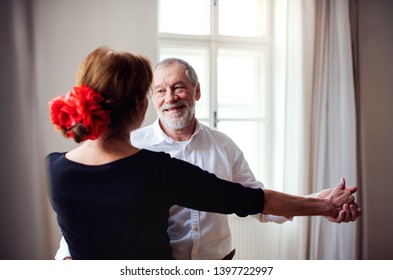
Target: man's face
[{"x": 174, "y": 97}]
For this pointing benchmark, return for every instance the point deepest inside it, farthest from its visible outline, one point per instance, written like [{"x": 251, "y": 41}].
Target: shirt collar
[{"x": 160, "y": 136}]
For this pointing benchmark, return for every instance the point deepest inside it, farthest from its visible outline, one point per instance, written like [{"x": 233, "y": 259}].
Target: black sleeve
[{"x": 195, "y": 188}]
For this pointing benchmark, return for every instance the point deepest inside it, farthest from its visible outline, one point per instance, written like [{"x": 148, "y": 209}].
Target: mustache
[{"x": 173, "y": 105}]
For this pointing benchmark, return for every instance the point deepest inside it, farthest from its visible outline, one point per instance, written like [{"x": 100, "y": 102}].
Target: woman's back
[{"x": 119, "y": 210}]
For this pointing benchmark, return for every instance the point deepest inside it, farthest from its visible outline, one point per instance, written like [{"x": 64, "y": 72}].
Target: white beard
[{"x": 179, "y": 120}]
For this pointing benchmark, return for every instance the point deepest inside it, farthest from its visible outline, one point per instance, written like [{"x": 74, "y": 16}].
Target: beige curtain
[
  {"x": 333, "y": 135},
  {"x": 314, "y": 124},
  {"x": 292, "y": 70}
]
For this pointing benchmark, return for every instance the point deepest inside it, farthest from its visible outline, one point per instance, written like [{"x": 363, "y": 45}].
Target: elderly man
[{"x": 195, "y": 234}]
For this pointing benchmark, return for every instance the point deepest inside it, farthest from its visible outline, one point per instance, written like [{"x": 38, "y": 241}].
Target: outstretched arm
[{"x": 278, "y": 203}]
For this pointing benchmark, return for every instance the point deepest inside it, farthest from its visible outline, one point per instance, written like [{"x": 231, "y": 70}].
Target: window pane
[
  {"x": 245, "y": 18},
  {"x": 199, "y": 59},
  {"x": 240, "y": 84},
  {"x": 184, "y": 16},
  {"x": 250, "y": 138}
]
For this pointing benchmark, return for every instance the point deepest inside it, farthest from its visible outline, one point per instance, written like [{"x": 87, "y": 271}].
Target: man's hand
[{"x": 350, "y": 212}]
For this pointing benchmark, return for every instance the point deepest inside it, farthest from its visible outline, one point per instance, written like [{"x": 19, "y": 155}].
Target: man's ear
[{"x": 198, "y": 92}]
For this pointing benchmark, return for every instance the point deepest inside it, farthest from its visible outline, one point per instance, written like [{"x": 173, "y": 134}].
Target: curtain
[
  {"x": 314, "y": 123},
  {"x": 292, "y": 67},
  {"x": 333, "y": 134},
  {"x": 23, "y": 207}
]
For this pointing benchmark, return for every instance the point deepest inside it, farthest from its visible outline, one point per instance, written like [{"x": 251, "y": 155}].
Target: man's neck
[{"x": 183, "y": 134}]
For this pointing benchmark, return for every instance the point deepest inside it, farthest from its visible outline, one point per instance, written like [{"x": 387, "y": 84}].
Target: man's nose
[{"x": 171, "y": 96}]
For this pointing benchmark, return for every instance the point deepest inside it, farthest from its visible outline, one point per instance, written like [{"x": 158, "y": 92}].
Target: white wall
[{"x": 69, "y": 30}]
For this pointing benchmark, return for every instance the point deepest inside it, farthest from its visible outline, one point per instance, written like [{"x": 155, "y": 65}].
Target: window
[{"x": 228, "y": 44}]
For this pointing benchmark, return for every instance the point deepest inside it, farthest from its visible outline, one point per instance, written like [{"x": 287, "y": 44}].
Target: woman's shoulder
[
  {"x": 55, "y": 156},
  {"x": 163, "y": 160},
  {"x": 153, "y": 155}
]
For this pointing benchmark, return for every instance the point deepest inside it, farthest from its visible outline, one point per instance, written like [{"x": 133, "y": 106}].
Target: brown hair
[{"x": 122, "y": 78}]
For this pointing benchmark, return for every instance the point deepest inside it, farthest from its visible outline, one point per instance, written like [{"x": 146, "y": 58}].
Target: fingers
[
  {"x": 342, "y": 215},
  {"x": 355, "y": 210},
  {"x": 349, "y": 213},
  {"x": 348, "y": 210},
  {"x": 341, "y": 184},
  {"x": 352, "y": 189},
  {"x": 346, "y": 213}
]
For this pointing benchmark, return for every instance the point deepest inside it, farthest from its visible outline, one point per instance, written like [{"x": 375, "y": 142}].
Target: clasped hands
[{"x": 350, "y": 210}]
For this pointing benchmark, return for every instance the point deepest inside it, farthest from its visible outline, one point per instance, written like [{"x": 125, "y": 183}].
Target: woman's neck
[{"x": 105, "y": 149}]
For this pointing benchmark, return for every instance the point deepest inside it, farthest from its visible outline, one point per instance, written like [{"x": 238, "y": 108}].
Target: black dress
[{"x": 119, "y": 210}]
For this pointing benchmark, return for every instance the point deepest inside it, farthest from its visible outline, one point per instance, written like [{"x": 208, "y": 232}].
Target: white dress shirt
[{"x": 196, "y": 234}]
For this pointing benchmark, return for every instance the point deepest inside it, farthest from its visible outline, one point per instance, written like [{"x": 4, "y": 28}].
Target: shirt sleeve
[
  {"x": 63, "y": 250},
  {"x": 243, "y": 175}
]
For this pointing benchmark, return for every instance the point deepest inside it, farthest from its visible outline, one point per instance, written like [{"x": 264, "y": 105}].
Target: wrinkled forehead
[{"x": 170, "y": 73}]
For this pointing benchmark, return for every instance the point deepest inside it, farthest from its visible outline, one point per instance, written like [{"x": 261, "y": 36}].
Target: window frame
[{"x": 213, "y": 43}]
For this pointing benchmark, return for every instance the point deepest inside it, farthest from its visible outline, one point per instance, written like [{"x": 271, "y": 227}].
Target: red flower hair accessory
[{"x": 80, "y": 106}]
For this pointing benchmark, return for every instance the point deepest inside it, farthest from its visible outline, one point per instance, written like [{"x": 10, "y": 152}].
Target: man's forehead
[{"x": 172, "y": 76}]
